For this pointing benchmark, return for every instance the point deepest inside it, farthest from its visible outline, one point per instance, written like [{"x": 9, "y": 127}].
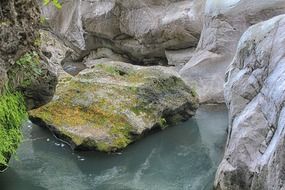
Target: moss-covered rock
[
  {"x": 110, "y": 105},
  {"x": 33, "y": 78}
]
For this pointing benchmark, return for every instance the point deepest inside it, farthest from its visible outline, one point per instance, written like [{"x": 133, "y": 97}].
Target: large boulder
[
  {"x": 111, "y": 105},
  {"x": 255, "y": 94},
  {"x": 225, "y": 21},
  {"x": 139, "y": 30}
]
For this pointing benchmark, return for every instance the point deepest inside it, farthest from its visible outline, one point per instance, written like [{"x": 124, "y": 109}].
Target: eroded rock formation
[
  {"x": 225, "y": 21},
  {"x": 21, "y": 65},
  {"x": 141, "y": 31},
  {"x": 254, "y": 92}
]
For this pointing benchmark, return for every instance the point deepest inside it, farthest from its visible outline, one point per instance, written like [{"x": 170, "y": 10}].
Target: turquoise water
[{"x": 184, "y": 157}]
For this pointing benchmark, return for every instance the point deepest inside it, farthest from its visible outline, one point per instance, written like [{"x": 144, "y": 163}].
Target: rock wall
[
  {"x": 139, "y": 30},
  {"x": 225, "y": 22},
  {"x": 15, "y": 36},
  {"x": 163, "y": 32},
  {"x": 24, "y": 72},
  {"x": 20, "y": 67},
  {"x": 255, "y": 94}
]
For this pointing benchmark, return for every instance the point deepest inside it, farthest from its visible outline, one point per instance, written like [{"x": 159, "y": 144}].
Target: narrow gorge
[{"x": 142, "y": 95}]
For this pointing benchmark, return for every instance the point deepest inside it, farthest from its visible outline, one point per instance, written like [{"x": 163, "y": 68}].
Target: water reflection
[{"x": 180, "y": 157}]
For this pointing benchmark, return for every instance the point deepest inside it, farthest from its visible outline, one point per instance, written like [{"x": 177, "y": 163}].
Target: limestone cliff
[
  {"x": 254, "y": 92},
  {"x": 141, "y": 31},
  {"x": 225, "y": 21}
]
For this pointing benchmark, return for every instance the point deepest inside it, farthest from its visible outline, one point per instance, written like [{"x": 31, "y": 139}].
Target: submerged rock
[
  {"x": 254, "y": 92},
  {"x": 110, "y": 105}
]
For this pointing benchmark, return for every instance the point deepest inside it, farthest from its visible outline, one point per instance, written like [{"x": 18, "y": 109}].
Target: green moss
[
  {"x": 73, "y": 110},
  {"x": 43, "y": 20},
  {"x": 162, "y": 123},
  {"x": 122, "y": 134},
  {"x": 12, "y": 115},
  {"x": 194, "y": 92},
  {"x": 103, "y": 146},
  {"x": 109, "y": 69},
  {"x": 122, "y": 74},
  {"x": 38, "y": 42}
]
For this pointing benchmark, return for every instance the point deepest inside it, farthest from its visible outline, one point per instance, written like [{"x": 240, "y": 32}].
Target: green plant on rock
[
  {"x": 43, "y": 20},
  {"x": 109, "y": 69},
  {"x": 26, "y": 70},
  {"x": 162, "y": 123},
  {"x": 56, "y": 3},
  {"x": 12, "y": 115},
  {"x": 38, "y": 42}
]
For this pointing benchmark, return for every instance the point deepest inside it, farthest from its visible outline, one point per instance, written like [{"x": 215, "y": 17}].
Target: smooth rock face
[
  {"x": 110, "y": 105},
  {"x": 255, "y": 94},
  {"x": 140, "y": 30},
  {"x": 225, "y": 22}
]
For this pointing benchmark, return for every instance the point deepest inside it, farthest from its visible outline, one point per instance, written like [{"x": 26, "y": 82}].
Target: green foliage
[
  {"x": 56, "y": 3},
  {"x": 43, "y": 20},
  {"x": 26, "y": 70},
  {"x": 194, "y": 91},
  {"x": 162, "y": 123},
  {"x": 12, "y": 115}
]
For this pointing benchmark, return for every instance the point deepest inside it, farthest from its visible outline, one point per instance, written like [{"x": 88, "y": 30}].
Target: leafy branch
[{"x": 56, "y": 3}]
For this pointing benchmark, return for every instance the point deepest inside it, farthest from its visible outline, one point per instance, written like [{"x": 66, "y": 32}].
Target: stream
[{"x": 183, "y": 157}]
